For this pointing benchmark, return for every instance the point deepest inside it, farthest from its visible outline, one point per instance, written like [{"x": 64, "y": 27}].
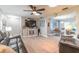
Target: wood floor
[{"x": 41, "y": 44}]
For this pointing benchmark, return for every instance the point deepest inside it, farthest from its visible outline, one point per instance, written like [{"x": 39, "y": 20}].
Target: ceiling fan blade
[
  {"x": 27, "y": 10},
  {"x": 34, "y": 8},
  {"x": 39, "y": 12},
  {"x": 41, "y": 9},
  {"x": 31, "y": 13},
  {"x": 31, "y": 6}
]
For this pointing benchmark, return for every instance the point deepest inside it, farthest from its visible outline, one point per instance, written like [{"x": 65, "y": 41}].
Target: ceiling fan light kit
[
  {"x": 34, "y": 12},
  {"x": 37, "y": 14}
]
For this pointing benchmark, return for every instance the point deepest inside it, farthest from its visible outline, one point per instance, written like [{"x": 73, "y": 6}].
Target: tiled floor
[{"x": 41, "y": 44}]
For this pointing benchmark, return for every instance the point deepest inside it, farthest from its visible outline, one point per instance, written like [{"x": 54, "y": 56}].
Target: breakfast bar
[{"x": 69, "y": 46}]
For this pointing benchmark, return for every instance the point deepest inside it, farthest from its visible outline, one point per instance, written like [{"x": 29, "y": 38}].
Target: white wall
[
  {"x": 0, "y": 23},
  {"x": 43, "y": 27},
  {"x": 15, "y": 23}
]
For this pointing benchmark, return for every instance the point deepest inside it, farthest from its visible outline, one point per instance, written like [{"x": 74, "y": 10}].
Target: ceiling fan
[{"x": 35, "y": 10}]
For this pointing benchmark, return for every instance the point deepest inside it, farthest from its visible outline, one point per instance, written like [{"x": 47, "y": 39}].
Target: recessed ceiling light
[{"x": 52, "y": 5}]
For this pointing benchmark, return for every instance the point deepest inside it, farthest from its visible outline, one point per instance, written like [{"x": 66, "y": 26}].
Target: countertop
[
  {"x": 73, "y": 43},
  {"x": 6, "y": 49}
]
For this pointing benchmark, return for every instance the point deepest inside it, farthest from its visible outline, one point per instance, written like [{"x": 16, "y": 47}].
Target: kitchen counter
[
  {"x": 71, "y": 46},
  {"x": 75, "y": 45}
]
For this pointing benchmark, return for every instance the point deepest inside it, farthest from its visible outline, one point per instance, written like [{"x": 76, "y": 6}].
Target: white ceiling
[
  {"x": 19, "y": 9},
  {"x": 15, "y": 9}
]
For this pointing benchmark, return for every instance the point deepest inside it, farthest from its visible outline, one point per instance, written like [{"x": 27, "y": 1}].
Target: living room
[{"x": 39, "y": 28}]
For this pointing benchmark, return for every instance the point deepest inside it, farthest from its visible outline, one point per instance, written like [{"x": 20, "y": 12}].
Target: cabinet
[
  {"x": 30, "y": 32},
  {"x": 68, "y": 48}
]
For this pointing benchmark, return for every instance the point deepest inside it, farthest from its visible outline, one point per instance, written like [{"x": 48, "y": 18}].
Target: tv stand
[{"x": 30, "y": 32}]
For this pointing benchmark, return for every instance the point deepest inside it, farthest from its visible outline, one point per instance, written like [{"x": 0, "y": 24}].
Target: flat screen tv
[{"x": 30, "y": 23}]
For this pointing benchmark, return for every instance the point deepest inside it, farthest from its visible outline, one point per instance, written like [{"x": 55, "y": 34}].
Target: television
[{"x": 30, "y": 23}]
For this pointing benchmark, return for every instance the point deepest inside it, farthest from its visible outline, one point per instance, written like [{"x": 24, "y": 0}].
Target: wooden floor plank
[{"x": 41, "y": 44}]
